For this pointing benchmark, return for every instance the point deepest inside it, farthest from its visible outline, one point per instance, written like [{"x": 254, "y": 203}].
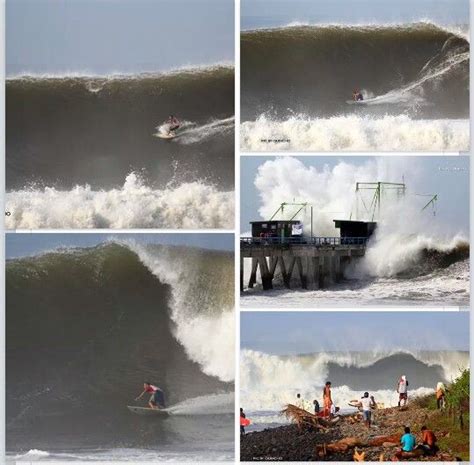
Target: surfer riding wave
[{"x": 157, "y": 399}]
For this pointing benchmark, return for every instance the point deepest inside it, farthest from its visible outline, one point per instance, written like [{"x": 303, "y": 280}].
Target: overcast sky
[
  {"x": 446, "y": 176},
  {"x": 20, "y": 245},
  {"x": 287, "y": 333},
  {"x": 106, "y": 36},
  {"x": 271, "y": 13}
]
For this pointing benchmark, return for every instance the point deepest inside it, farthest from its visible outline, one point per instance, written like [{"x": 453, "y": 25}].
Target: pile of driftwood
[
  {"x": 352, "y": 442},
  {"x": 304, "y": 419}
]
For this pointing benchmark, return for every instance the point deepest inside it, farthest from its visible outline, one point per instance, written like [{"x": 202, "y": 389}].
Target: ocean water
[
  {"x": 269, "y": 382},
  {"x": 415, "y": 257},
  {"x": 87, "y": 326},
  {"x": 82, "y": 151},
  {"x": 298, "y": 76}
]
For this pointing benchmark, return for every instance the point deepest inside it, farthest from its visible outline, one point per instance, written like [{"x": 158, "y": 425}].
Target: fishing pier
[
  {"x": 278, "y": 249},
  {"x": 311, "y": 263}
]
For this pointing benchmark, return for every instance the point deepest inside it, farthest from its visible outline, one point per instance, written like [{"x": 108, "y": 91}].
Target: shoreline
[{"x": 288, "y": 443}]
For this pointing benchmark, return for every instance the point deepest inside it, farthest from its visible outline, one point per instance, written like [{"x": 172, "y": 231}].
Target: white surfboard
[
  {"x": 356, "y": 102},
  {"x": 163, "y": 135},
  {"x": 147, "y": 410}
]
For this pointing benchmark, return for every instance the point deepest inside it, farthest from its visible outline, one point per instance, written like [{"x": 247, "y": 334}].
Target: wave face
[
  {"x": 268, "y": 382},
  {"x": 63, "y": 132},
  {"x": 297, "y": 84},
  {"x": 86, "y": 327},
  {"x": 313, "y": 70}
]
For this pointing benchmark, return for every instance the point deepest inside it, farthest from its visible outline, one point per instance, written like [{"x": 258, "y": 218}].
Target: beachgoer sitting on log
[
  {"x": 408, "y": 442},
  {"x": 429, "y": 446}
]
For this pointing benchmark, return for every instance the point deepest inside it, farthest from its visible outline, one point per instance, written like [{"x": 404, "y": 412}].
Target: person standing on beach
[
  {"x": 402, "y": 389},
  {"x": 316, "y": 407},
  {"x": 242, "y": 427},
  {"x": 440, "y": 395},
  {"x": 367, "y": 404},
  {"x": 327, "y": 400}
]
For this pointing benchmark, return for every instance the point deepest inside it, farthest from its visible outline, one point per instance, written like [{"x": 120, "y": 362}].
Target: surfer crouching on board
[
  {"x": 157, "y": 399},
  {"x": 173, "y": 122},
  {"x": 357, "y": 95}
]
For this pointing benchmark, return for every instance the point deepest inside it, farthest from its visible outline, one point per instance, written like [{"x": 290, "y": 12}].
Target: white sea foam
[
  {"x": 203, "y": 327},
  {"x": 268, "y": 382},
  {"x": 193, "y": 205},
  {"x": 354, "y": 133},
  {"x": 191, "y": 133},
  {"x": 397, "y": 246},
  {"x": 32, "y": 454}
]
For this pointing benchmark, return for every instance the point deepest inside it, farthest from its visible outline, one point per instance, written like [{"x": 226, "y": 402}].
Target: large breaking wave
[
  {"x": 297, "y": 83},
  {"x": 75, "y": 139},
  {"x": 268, "y": 382},
  {"x": 412, "y": 256},
  {"x": 85, "y": 327}
]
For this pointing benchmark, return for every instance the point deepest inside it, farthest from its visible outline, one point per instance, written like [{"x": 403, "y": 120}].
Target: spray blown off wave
[
  {"x": 76, "y": 130},
  {"x": 354, "y": 133},
  {"x": 412, "y": 258},
  {"x": 205, "y": 405},
  {"x": 268, "y": 382},
  {"x": 193, "y": 205},
  {"x": 85, "y": 327}
]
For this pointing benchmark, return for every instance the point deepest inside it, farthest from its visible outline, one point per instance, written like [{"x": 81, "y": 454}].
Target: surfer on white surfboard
[
  {"x": 168, "y": 128},
  {"x": 172, "y": 124},
  {"x": 157, "y": 399},
  {"x": 357, "y": 95}
]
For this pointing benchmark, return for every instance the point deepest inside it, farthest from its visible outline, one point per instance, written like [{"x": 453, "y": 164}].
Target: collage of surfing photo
[{"x": 236, "y": 231}]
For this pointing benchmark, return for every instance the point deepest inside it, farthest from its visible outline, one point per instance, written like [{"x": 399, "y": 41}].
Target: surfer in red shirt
[{"x": 157, "y": 399}]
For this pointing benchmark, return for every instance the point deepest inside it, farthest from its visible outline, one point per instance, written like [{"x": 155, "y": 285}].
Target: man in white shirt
[
  {"x": 402, "y": 389},
  {"x": 367, "y": 404}
]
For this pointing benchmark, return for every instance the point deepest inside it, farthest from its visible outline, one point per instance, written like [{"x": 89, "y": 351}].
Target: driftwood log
[{"x": 303, "y": 418}]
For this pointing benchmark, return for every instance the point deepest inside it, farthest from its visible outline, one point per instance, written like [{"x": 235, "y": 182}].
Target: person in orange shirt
[
  {"x": 327, "y": 400},
  {"x": 429, "y": 442},
  {"x": 440, "y": 395}
]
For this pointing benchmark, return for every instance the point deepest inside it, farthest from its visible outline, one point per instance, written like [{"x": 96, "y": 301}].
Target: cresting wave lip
[
  {"x": 120, "y": 302},
  {"x": 120, "y": 75},
  {"x": 458, "y": 30},
  {"x": 194, "y": 205}
]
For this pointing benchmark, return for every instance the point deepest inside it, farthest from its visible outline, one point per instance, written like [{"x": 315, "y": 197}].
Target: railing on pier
[{"x": 305, "y": 241}]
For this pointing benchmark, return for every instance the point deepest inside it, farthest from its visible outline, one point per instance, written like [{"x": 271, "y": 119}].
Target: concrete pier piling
[{"x": 311, "y": 264}]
